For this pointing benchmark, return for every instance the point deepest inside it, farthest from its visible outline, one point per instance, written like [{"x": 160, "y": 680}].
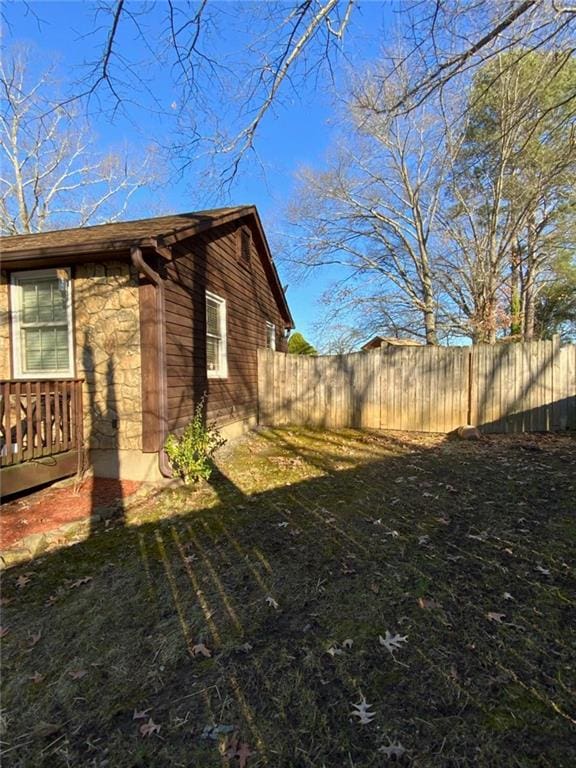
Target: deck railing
[{"x": 39, "y": 418}]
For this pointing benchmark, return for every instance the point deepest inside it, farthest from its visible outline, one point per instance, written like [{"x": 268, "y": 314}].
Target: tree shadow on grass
[{"x": 267, "y": 581}]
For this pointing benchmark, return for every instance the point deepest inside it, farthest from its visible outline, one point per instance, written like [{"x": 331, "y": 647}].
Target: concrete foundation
[{"x": 143, "y": 467}]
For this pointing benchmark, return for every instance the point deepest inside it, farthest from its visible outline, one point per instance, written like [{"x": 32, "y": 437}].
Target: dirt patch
[{"x": 49, "y": 508}]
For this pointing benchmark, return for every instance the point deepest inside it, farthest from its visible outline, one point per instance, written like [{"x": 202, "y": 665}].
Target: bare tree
[
  {"x": 447, "y": 40},
  {"x": 290, "y": 42},
  {"x": 511, "y": 191},
  {"x": 223, "y": 89},
  {"x": 51, "y": 174},
  {"x": 375, "y": 214}
]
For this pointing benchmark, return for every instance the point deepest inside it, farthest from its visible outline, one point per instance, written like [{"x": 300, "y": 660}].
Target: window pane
[
  {"x": 45, "y": 349},
  {"x": 43, "y": 301},
  {"x": 212, "y": 353},
  {"x": 212, "y": 317}
]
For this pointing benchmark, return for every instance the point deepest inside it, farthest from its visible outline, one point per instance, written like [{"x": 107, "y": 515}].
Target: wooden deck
[{"x": 41, "y": 432}]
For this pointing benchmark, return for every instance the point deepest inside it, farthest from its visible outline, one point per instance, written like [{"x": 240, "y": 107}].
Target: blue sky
[{"x": 298, "y": 131}]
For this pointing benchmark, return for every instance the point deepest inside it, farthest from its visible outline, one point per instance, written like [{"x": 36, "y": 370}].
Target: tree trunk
[
  {"x": 529, "y": 282},
  {"x": 515, "y": 290}
]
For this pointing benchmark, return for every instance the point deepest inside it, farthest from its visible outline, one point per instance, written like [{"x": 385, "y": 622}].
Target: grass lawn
[{"x": 286, "y": 570}]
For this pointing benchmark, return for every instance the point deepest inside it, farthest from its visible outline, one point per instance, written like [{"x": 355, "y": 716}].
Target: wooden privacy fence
[{"x": 505, "y": 388}]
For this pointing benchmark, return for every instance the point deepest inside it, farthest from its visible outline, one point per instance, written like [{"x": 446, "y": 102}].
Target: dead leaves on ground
[
  {"x": 147, "y": 729},
  {"x": 34, "y": 640},
  {"x": 362, "y": 712},
  {"x": 79, "y": 582},
  {"x": 77, "y": 674},
  {"x": 392, "y": 642},
  {"x": 236, "y": 749},
  {"x": 393, "y": 750},
  {"x": 200, "y": 650},
  {"x": 337, "y": 649}
]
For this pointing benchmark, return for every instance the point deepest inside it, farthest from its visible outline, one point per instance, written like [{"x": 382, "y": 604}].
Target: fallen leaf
[
  {"x": 147, "y": 729},
  {"x": 272, "y": 603},
  {"x": 283, "y": 525},
  {"x": 34, "y": 639},
  {"x": 427, "y": 604},
  {"x": 51, "y": 600},
  {"x": 22, "y": 581},
  {"x": 77, "y": 674},
  {"x": 140, "y": 715},
  {"x": 362, "y": 712},
  {"x": 424, "y": 540},
  {"x": 392, "y": 642},
  {"x": 497, "y": 617},
  {"x": 374, "y": 587},
  {"x": 246, "y": 647},
  {"x": 200, "y": 650},
  {"x": 37, "y": 678},
  {"x": 334, "y": 651},
  {"x": 5, "y": 601},
  {"x": 393, "y": 750},
  {"x": 243, "y": 753},
  {"x": 348, "y": 643},
  {"x": 4, "y": 631},
  {"x": 507, "y": 596},
  {"x": 215, "y": 731},
  {"x": 80, "y": 582},
  {"x": 545, "y": 571}
]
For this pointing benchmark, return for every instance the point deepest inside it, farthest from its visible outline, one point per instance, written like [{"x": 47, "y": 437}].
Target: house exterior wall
[
  {"x": 107, "y": 336},
  {"x": 4, "y": 328},
  {"x": 211, "y": 262}
]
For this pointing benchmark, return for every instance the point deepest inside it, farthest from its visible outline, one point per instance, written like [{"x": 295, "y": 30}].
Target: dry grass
[{"x": 352, "y": 534}]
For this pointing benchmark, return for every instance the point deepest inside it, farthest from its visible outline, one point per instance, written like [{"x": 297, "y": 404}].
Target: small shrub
[{"x": 190, "y": 454}]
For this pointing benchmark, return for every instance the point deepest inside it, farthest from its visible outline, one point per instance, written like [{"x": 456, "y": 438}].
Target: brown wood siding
[{"x": 211, "y": 261}]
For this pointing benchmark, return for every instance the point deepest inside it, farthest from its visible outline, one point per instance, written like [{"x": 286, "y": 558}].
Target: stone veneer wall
[
  {"x": 107, "y": 334},
  {"x": 4, "y": 329}
]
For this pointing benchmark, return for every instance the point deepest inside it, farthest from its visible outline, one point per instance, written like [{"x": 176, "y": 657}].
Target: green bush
[{"x": 190, "y": 454}]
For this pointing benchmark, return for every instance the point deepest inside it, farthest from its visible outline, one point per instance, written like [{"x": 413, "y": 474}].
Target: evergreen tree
[{"x": 297, "y": 345}]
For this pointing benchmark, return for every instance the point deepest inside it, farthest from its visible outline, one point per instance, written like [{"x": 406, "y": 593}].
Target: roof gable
[{"x": 22, "y": 251}]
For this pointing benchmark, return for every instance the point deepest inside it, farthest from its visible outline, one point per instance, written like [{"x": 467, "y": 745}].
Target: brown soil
[{"x": 45, "y": 510}]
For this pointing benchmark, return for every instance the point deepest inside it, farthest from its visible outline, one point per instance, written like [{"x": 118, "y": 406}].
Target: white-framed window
[
  {"x": 270, "y": 336},
  {"x": 216, "y": 359},
  {"x": 41, "y": 308}
]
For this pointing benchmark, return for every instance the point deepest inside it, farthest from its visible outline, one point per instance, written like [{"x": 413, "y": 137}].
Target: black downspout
[{"x": 141, "y": 266}]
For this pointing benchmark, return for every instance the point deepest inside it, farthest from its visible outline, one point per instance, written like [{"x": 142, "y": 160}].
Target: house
[
  {"x": 111, "y": 334},
  {"x": 388, "y": 341}
]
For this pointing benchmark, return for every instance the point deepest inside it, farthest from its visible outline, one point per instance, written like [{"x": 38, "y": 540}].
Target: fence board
[{"x": 503, "y": 388}]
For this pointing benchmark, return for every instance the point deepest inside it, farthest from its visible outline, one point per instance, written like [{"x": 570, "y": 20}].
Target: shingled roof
[
  {"x": 120, "y": 234},
  {"x": 70, "y": 245}
]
